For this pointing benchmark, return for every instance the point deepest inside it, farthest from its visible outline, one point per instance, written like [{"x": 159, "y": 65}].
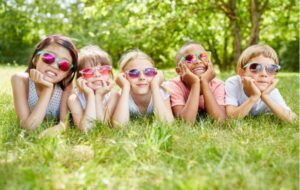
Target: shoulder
[
  {"x": 233, "y": 79},
  {"x": 21, "y": 76},
  {"x": 216, "y": 83},
  {"x": 176, "y": 83},
  {"x": 19, "y": 79},
  {"x": 233, "y": 82}
]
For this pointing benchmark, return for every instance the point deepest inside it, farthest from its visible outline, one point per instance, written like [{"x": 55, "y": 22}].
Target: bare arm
[
  {"x": 189, "y": 111},
  {"x": 35, "y": 118},
  {"x": 64, "y": 102},
  {"x": 239, "y": 112},
  {"x": 101, "y": 109},
  {"x": 89, "y": 114},
  {"x": 121, "y": 115},
  {"x": 252, "y": 92},
  {"x": 75, "y": 109},
  {"x": 111, "y": 106},
  {"x": 215, "y": 110},
  {"x": 278, "y": 110},
  {"x": 161, "y": 108}
]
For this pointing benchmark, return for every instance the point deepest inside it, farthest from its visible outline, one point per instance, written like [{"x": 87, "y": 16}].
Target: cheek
[{"x": 63, "y": 75}]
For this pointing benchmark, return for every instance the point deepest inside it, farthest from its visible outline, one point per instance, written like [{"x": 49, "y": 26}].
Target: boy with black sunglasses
[{"x": 253, "y": 91}]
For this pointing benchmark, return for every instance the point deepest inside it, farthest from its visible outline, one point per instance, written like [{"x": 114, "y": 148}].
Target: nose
[
  {"x": 142, "y": 75},
  {"x": 97, "y": 73},
  {"x": 263, "y": 72}
]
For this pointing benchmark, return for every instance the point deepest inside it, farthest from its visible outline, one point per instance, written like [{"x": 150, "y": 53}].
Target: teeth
[{"x": 50, "y": 73}]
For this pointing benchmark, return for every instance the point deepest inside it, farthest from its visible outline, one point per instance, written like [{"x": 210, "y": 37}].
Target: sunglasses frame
[
  {"x": 139, "y": 72},
  {"x": 263, "y": 66},
  {"x": 93, "y": 70},
  {"x": 56, "y": 60},
  {"x": 196, "y": 55}
]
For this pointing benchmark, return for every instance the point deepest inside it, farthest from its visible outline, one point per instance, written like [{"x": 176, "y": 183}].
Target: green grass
[{"x": 253, "y": 153}]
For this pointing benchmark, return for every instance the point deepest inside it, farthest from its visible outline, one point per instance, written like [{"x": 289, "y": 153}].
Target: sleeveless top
[
  {"x": 54, "y": 104},
  {"x": 82, "y": 99},
  {"x": 134, "y": 110}
]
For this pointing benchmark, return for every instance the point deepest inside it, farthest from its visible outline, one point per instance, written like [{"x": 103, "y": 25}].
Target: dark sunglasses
[
  {"x": 258, "y": 67},
  {"x": 89, "y": 72},
  {"x": 49, "y": 59},
  {"x": 148, "y": 72},
  {"x": 190, "y": 58}
]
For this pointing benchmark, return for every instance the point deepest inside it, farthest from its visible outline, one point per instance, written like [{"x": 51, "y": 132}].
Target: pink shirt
[{"x": 179, "y": 93}]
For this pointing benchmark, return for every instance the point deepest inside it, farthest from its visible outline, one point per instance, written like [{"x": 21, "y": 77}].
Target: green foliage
[
  {"x": 158, "y": 28},
  {"x": 289, "y": 56}
]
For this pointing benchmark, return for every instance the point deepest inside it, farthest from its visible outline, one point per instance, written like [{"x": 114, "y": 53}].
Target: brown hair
[
  {"x": 92, "y": 55},
  {"x": 132, "y": 55},
  {"x": 255, "y": 51},
  {"x": 61, "y": 41}
]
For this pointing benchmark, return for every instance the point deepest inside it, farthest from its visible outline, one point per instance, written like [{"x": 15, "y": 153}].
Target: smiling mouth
[
  {"x": 199, "y": 69},
  {"x": 142, "y": 85},
  {"x": 50, "y": 74}
]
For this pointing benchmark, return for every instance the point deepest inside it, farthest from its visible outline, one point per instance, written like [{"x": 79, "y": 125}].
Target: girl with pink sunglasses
[
  {"x": 95, "y": 100},
  {"x": 141, "y": 89},
  {"x": 43, "y": 89}
]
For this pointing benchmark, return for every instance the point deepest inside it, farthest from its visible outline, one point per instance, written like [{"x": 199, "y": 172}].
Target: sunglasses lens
[
  {"x": 189, "y": 58},
  {"x": 255, "y": 67},
  {"x": 133, "y": 73},
  {"x": 48, "y": 58},
  {"x": 87, "y": 73},
  {"x": 150, "y": 72},
  {"x": 272, "y": 69},
  {"x": 204, "y": 56},
  {"x": 63, "y": 65},
  {"x": 105, "y": 70}
]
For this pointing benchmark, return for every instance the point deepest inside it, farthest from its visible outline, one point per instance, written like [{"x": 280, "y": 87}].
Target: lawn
[{"x": 253, "y": 153}]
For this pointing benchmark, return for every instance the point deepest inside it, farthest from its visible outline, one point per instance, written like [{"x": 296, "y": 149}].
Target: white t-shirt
[
  {"x": 235, "y": 96},
  {"x": 134, "y": 110}
]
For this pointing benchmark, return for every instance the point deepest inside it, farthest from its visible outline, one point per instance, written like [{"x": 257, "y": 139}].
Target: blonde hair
[
  {"x": 132, "y": 55},
  {"x": 255, "y": 51},
  {"x": 92, "y": 55}
]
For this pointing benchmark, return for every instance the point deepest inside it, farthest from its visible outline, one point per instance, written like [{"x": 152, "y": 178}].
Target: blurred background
[{"x": 160, "y": 28}]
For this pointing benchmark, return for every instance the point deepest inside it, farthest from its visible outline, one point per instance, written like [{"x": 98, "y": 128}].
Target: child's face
[
  {"x": 140, "y": 73},
  {"x": 96, "y": 76},
  {"x": 262, "y": 78},
  {"x": 49, "y": 60},
  {"x": 198, "y": 65}
]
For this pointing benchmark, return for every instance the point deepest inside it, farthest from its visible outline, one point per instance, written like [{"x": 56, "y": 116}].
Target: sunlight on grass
[{"x": 254, "y": 153}]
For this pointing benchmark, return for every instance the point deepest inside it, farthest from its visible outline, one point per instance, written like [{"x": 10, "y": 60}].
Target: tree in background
[{"x": 157, "y": 27}]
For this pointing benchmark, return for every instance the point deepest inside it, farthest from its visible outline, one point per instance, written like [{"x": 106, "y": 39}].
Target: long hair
[{"x": 61, "y": 41}]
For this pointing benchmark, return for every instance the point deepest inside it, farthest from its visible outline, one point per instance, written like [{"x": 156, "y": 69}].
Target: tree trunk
[
  {"x": 237, "y": 45},
  {"x": 255, "y": 22}
]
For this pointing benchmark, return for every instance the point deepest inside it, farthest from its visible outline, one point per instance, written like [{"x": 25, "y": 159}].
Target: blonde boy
[{"x": 253, "y": 91}]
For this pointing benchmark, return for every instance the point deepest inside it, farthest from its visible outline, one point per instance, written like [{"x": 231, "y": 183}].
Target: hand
[
  {"x": 209, "y": 74},
  {"x": 186, "y": 75},
  {"x": 250, "y": 89},
  {"x": 158, "y": 79},
  {"x": 270, "y": 87},
  {"x": 105, "y": 87},
  {"x": 53, "y": 131},
  {"x": 82, "y": 85},
  {"x": 38, "y": 77},
  {"x": 122, "y": 81}
]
